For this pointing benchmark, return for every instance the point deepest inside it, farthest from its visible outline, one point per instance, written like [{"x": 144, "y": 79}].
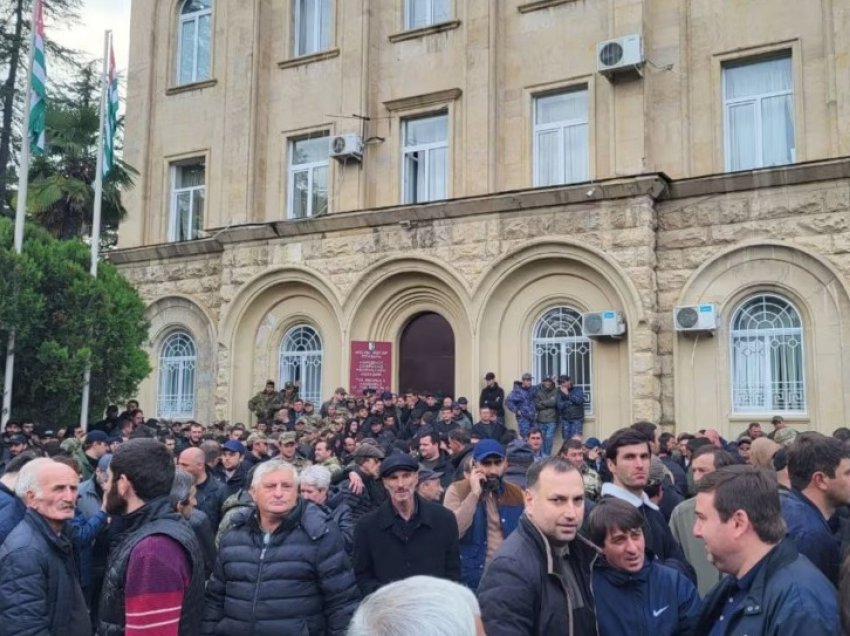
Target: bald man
[
  {"x": 211, "y": 493},
  {"x": 38, "y": 571}
]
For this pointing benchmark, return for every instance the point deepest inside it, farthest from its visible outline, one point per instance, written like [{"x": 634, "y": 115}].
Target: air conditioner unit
[
  {"x": 696, "y": 317},
  {"x": 621, "y": 55},
  {"x": 348, "y": 146},
  {"x": 603, "y": 324}
]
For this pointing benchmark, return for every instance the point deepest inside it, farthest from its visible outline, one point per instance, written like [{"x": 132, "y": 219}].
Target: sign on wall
[{"x": 371, "y": 366}]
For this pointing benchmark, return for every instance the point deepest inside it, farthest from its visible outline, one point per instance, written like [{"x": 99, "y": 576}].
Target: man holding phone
[{"x": 487, "y": 509}]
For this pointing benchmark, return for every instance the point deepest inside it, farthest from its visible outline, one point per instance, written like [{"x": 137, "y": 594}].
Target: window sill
[
  {"x": 193, "y": 86},
  {"x": 412, "y": 34},
  {"x": 528, "y": 7},
  {"x": 308, "y": 59}
]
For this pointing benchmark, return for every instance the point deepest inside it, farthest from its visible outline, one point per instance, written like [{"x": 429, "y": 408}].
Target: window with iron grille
[
  {"x": 559, "y": 348},
  {"x": 177, "y": 363},
  {"x": 767, "y": 355},
  {"x": 301, "y": 361}
]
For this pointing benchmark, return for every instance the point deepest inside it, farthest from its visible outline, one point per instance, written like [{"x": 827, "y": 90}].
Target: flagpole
[
  {"x": 20, "y": 217},
  {"x": 98, "y": 204}
]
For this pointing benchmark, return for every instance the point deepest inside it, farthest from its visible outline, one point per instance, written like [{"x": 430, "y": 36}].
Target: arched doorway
[{"x": 426, "y": 358}]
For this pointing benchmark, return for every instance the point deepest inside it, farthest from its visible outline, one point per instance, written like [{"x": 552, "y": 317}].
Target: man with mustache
[
  {"x": 39, "y": 582},
  {"x": 155, "y": 574},
  {"x": 406, "y": 535}
]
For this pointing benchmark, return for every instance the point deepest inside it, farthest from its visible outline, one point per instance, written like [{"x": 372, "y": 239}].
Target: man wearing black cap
[
  {"x": 407, "y": 535},
  {"x": 493, "y": 396},
  {"x": 232, "y": 471}
]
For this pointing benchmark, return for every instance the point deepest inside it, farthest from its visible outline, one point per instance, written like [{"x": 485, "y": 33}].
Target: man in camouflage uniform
[
  {"x": 288, "y": 445},
  {"x": 259, "y": 404},
  {"x": 573, "y": 451}
]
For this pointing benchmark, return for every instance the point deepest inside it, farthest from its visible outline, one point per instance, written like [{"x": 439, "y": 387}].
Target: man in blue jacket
[
  {"x": 520, "y": 402},
  {"x": 635, "y": 594},
  {"x": 819, "y": 468},
  {"x": 771, "y": 589}
]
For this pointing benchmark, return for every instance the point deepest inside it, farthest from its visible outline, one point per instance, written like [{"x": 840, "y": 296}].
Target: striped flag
[
  {"x": 38, "y": 78},
  {"x": 110, "y": 125}
]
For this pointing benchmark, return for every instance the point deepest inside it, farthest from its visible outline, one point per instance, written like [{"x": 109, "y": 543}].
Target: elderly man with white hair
[
  {"x": 40, "y": 590},
  {"x": 421, "y": 605},
  {"x": 283, "y": 569},
  {"x": 315, "y": 482}
]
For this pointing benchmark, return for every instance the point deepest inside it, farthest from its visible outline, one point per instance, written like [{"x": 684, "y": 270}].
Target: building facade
[{"x": 504, "y": 187}]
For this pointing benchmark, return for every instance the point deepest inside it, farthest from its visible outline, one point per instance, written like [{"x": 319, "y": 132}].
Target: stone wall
[{"x": 643, "y": 254}]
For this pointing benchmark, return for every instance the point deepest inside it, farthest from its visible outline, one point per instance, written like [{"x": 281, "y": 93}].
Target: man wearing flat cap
[
  {"x": 367, "y": 466},
  {"x": 406, "y": 535}
]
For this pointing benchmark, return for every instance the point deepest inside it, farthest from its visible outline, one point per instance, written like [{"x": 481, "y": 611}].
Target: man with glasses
[{"x": 486, "y": 507}]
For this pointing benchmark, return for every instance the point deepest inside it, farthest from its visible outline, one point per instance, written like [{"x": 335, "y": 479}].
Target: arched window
[
  {"x": 559, "y": 349},
  {"x": 177, "y": 362},
  {"x": 301, "y": 361},
  {"x": 767, "y": 357},
  {"x": 193, "y": 41}
]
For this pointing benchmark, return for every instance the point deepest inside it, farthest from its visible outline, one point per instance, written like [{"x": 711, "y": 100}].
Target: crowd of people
[{"x": 384, "y": 514}]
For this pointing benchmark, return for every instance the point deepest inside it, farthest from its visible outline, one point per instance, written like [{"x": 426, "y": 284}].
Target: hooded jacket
[{"x": 656, "y": 601}]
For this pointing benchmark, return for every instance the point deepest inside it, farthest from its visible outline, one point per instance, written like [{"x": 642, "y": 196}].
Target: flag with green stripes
[
  {"x": 110, "y": 124},
  {"x": 38, "y": 78}
]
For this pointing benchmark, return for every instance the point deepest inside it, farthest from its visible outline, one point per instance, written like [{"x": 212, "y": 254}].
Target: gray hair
[
  {"x": 421, "y": 605},
  {"x": 28, "y": 478},
  {"x": 271, "y": 466},
  {"x": 181, "y": 489},
  {"x": 316, "y": 476}
]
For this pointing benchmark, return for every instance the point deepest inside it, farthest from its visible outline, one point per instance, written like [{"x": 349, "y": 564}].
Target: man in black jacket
[
  {"x": 493, "y": 396},
  {"x": 282, "y": 569},
  {"x": 39, "y": 583},
  {"x": 539, "y": 581},
  {"x": 210, "y": 492},
  {"x": 407, "y": 535}
]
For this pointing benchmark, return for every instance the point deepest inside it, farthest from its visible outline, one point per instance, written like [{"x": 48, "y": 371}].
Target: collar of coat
[
  {"x": 583, "y": 548},
  {"x": 422, "y": 512}
]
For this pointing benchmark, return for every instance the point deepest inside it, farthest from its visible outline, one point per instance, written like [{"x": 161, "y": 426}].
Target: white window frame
[
  {"x": 196, "y": 18},
  {"x": 174, "y": 222},
  {"x": 323, "y": 14},
  {"x": 186, "y": 366},
  {"x": 409, "y": 13},
  {"x": 563, "y": 346},
  {"x": 310, "y": 362},
  {"x": 310, "y": 168},
  {"x": 756, "y": 102},
  {"x": 423, "y": 148},
  {"x": 767, "y": 405},
  {"x": 562, "y": 128}
]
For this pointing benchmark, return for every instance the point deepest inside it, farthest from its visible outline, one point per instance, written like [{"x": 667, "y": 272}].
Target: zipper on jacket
[{"x": 266, "y": 540}]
